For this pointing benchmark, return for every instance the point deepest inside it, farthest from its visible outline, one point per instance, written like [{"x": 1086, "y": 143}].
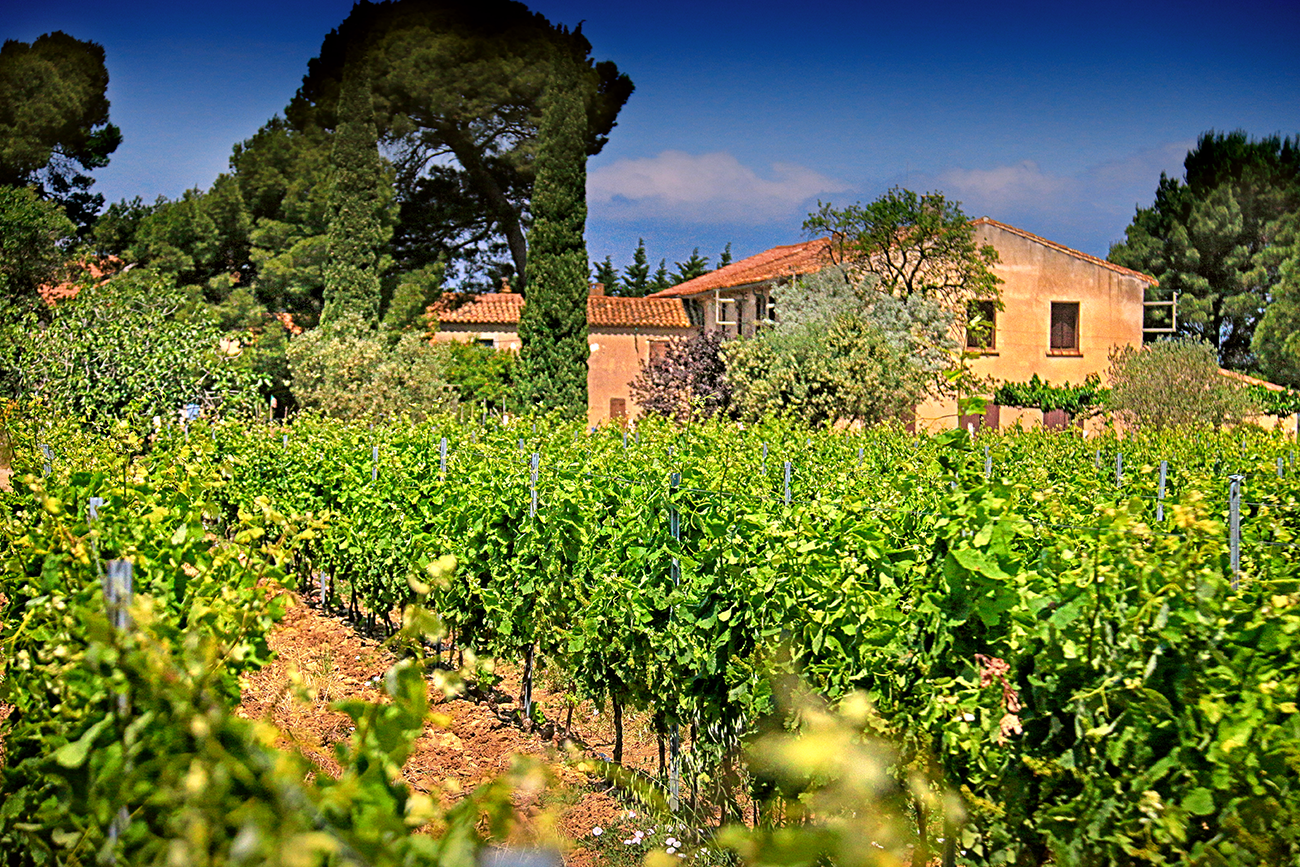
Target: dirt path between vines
[{"x": 326, "y": 654}]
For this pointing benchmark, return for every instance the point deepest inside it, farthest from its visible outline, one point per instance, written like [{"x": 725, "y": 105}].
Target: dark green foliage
[
  {"x": 1205, "y": 238},
  {"x": 553, "y": 325},
  {"x": 414, "y": 292},
  {"x": 465, "y": 80},
  {"x": 360, "y": 223},
  {"x": 34, "y": 239},
  {"x": 724, "y": 258},
  {"x": 480, "y": 374},
  {"x": 636, "y": 282},
  {"x": 1277, "y": 338},
  {"x": 116, "y": 229},
  {"x": 695, "y": 266},
  {"x": 199, "y": 237},
  {"x": 607, "y": 275},
  {"x": 1037, "y": 394},
  {"x": 54, "y": 120},
  {"x": 660, "y": 279}
]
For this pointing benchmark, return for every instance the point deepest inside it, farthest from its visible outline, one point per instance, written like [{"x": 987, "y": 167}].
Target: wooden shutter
[{"x": 1065, "y": 325}]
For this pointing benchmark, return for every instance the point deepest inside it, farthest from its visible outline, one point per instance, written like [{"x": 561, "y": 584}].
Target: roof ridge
[{"x": 1056, "y": 245}]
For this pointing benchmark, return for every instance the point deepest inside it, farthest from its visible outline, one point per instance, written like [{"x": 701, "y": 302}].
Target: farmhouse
[
  {"x": 623, "y": 333},
  {"x": 1063, "y": 311}
]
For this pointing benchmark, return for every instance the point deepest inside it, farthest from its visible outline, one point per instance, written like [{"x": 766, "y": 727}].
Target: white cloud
[
  {"x": 1088, "y": 209},
  {"x": 702, "y": 188}
]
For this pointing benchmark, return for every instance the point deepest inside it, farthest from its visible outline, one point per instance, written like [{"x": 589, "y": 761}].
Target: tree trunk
[{"x": 618, "y": 729}]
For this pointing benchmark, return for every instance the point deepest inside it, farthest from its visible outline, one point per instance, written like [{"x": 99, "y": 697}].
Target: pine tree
[
  {"x": 553, "y": 325},
  {"x": 360, "y": 196},
  {"x": 637, "y": 275},
  {"x": 693, "y": 267},
  {"x": 607, "y": 275},
  {"x": 661, "y": 278},
  {"x": 724, "y": 258}
]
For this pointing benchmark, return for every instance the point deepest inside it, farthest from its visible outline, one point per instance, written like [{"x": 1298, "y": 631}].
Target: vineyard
[{"x": 1073, "y": 651}]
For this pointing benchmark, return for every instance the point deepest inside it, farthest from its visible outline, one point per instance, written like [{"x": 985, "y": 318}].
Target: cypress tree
[
  {"x": 359, "y": 199},
  {"x": 553, "y": 325}
]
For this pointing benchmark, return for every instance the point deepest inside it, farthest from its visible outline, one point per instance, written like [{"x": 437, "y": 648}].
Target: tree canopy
[
  {"x": 1205, "y": 237},
  {"x": 54, "y": 120},
  {"x": 916, "y": 244},
  {"x": 458, "y": 88},
  {"x": 553, "y": 325}
]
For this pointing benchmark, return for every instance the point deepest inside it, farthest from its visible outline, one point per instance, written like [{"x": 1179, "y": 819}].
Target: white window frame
[{"x": 718, "y": 302}]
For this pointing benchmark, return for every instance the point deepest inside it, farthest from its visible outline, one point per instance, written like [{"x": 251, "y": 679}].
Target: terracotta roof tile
[
  {"x": 784, "y": 261},
  {"x": 1119, "y": 269},
  {"x": 496, "y": 308},
  {"x": 490, "y": 308},
  {"x": 814, "y": 255}
]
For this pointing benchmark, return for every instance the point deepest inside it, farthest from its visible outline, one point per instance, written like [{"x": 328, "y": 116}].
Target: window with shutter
[
  {"x": 981, "y": 325},
  {"x": 1065, "y": 326}
]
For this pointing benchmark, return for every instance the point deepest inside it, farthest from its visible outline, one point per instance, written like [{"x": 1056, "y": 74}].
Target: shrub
[
  {"x": 1173, "y": 383},
  {"x": 843, "y": 349},
  {"x": 135, "y": 345},
  {"x": 689, "y": 380},
  {"x": 479, "y": 373},
  {"x": 350, "y": 370}
]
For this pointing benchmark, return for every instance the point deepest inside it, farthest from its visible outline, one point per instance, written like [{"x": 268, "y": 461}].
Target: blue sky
[{"x": 1056, "y": 118}]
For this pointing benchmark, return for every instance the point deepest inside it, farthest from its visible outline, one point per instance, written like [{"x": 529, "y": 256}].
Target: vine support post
[
  {"x": 1119, "y": 469},
  {"x": 442, "y": 459},
  {"x": 859, "y": 457},
  {"x": 988, "y": 463},
  {"x": 49, "y": 459},
  {"x": 787, "y": 483},
  {"x": 1234, "y": 528},
  {"x": 674, "y": 735},
  {"x": 284, "y": 441},
  {"x": 764, "y": 465},
  {"x": 1280, "y": 467},
  {"x": 1160, "y": 492},
  {"x": 118, "y": 586},
  {"x": 1098, "y": 460},
  {"x": 374, "y": 463}
]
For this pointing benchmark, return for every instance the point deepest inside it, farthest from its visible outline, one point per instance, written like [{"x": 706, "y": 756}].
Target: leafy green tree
[
  {"x": 415, "y": 290},
  {"x": 1174, "y": 383},
  {"x": 35, "y": 236},
  {"x": 1277, "y": 338},
  {"x": 1204, "y": 235},
  {"x": 607, "y": 275},
  {"x": 284, "y": 177},
  {"x": 54, "y": 120},
  {"x": 198, "y": 237},
  {"x": 480, "y": 374},
  {"x": 360, "y": 194},
  {"x": 553, "y": 326},
  {"x": 914, "y": 244},
  {"x": 724, "y": 258},
  {"x": 459, "y": 89},
  {"x": 636, "y": 282},
  {"x": 695, "y": 266},
  {"x": 116, "y": 228},
  {"x": 661, "y": 279},
  {"x": 136, "y": 345}
]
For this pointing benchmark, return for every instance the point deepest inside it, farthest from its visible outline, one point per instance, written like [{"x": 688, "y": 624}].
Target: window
[
  {"x": 981, "y": 325},
  {"x": 724, "y": 311},
  {"x": 658, "y": 351},
  {"x": 764, "y": 309},
  {"x": 617, "y": 407},
  {"x": 1065, "y": 326},
  {"x": 488, "y": 342}
]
